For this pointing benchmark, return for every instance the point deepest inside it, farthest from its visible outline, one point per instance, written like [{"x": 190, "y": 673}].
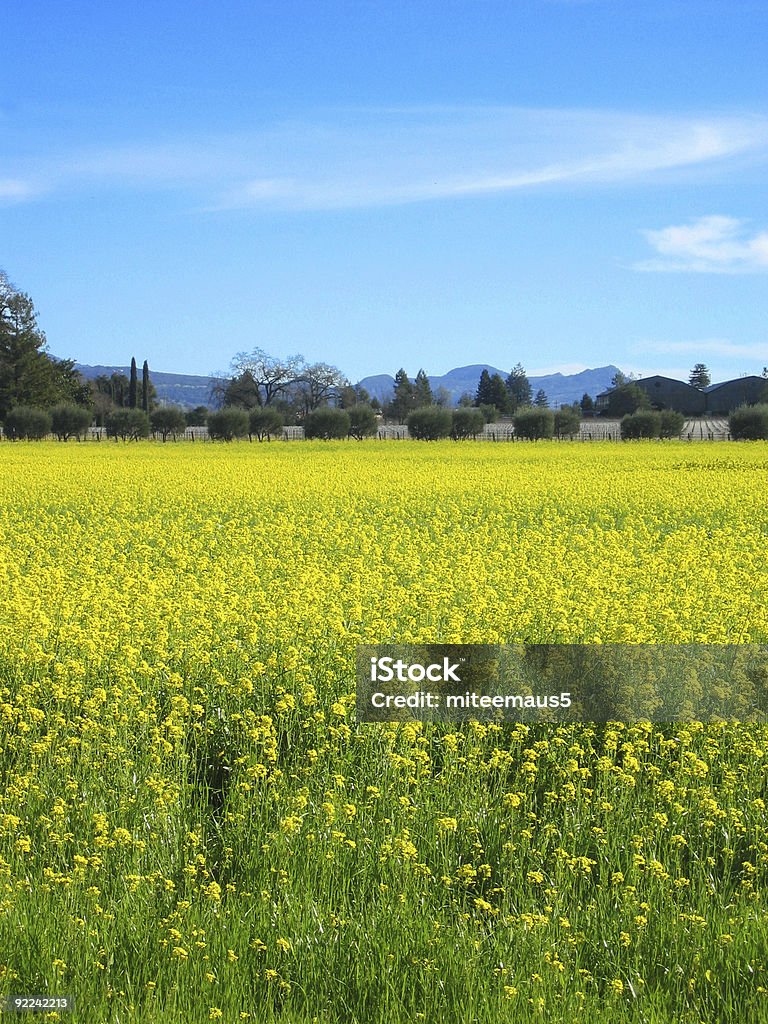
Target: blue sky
[{"x": 564, "y": 183}]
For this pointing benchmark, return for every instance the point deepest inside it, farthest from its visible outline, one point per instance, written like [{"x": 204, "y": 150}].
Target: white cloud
[
  {"x": 374, "y": 157},
  {"x": 717, "y": 347},
  {"x": 15, "y": 190},
  {"x": 712, "y": 245}
]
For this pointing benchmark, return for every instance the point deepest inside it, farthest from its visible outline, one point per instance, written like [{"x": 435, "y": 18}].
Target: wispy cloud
[
  {"x": 16, "y": 190},
  {"x": 710, "y": 245},
  {"x": 709, "y": 347},
  {"x": 376, "y": 157}
]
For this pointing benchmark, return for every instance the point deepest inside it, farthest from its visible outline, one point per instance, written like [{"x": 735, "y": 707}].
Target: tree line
[{"x": 40, "y": 394}]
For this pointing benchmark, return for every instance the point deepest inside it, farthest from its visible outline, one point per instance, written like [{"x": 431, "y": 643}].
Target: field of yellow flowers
[{"x": 193, "y": 827}]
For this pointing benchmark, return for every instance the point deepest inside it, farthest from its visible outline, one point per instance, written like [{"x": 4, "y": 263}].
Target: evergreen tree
[
  {"x": 145, "y": 387},
  {"x": 26, "y": 371},
  {"x": 498, "y": 394},
  {"x": 422, "y": 391},
  {"x": 403, "y": 397},
  {"x": 700, "y": 377},
  {"x": 133, "y": 386},
  {"x": 492, "y": 391},
  {"x": 587, "y": 404},
  {"x": 541, "y": 401},
  {"x": 483, "y": 394},
  {"x": 518, "y": 388}
]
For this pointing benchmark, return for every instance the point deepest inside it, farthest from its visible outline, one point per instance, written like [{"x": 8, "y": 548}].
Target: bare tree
[
  {"x": 271, "y": 376},
  {"x": 318, "y": 383}
]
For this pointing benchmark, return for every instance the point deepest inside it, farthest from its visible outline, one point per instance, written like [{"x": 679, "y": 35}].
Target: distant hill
[
  {"x": 189, "y": 391},
  {"x": 560, "y": 389},
  {"x": 182, "y": 389}
]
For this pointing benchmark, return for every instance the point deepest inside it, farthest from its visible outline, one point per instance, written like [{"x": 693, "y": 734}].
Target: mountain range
[
  {"x": 182, "y": 389},
  {"x": 188, "y": 390},
  {"x": 560, "y": 389}
]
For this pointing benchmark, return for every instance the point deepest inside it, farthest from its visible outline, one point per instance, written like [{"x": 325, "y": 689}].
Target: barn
[
  {"x": 724, "y": 398},
  {"x": 666, "y": 393}
]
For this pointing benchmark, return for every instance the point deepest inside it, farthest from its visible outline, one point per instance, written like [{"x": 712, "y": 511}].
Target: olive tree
[
  {"x": 749, "y": 423},
  {"x": 24, "y": 422},
  {"x": 168, "y": 420},
  {"x": 362, "y": 421},
  {"x": 263, "y": 422},
  {"x": 70, "y": 421},
  {"x": 127, "y": 424},
  {"x": 327, "y": 424},
  {"x": 430, "y": 423},
  {"x": 228, "y": 423},
  {"x": 466, "y": 423},
  {"x": 645, "y": 423},
  {"x": 534, "y": 423}
]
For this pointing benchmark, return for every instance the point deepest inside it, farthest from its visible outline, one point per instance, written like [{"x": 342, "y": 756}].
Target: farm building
[
  {"x": 666, "y": 393},
  {"x": 724, "y": 398},
  {"x": 716, "y": 400}
]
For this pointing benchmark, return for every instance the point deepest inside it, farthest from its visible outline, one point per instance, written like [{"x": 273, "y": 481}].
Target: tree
[
  {"x": 541, "y": 401},
  {"x": 467, "y": 423},
  {"x": 422, "y": 390},
  {"x": 68, "y": 385},
  {"x": 442, "y": 396},
  {"x": 568, "y": 420},
  {"x": 70, "y": 421},
  {"x": 24, "y": 422},
  {"x": 350, "y": 395},
  {"x": 749, "y": 423},
  {"x": 362, "y": 421},
  {"x": 483, "y": 393},
  {"x": 264, "y": 422},
  {"x": 518, "y": 388},
  {"x": 644, "y": 423},
  {"x": 402, "y": 398},
  {"x": 228, "y": 423},
  {"x": 430, "y": 423},
  {"x": 317, "y": 384},
  {"x": 327, "y": 424},
  {"x": 115, "y": 388},
  {"x": 271, "y": 376},
  {"x": 587, "y": 404},
  {"x": 671, "y": 423},
  {"x": 26, "y": 372},
  {"x": 242, "y": 391},
  {"x": 133, "y": 386},
  {"x": 490, "y": 413},
  {"x": 145, "y": 387},
  {"x": 197, "y": 417},
  {"x": 534, "y": 423},
  {"x": 167, "y": 420},
  {"x": 498, "y": 394},
  {"x": 700, "y": 377},
  {"x": 625, "y": 399},
  {"x": 491, "y": 390},
  {"x": 127, "y": 424}
]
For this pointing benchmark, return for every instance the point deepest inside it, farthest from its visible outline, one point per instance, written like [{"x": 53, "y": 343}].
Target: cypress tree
[
  {"x": 133, "y": 386},
  {"x": 145, "y": 386}
]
